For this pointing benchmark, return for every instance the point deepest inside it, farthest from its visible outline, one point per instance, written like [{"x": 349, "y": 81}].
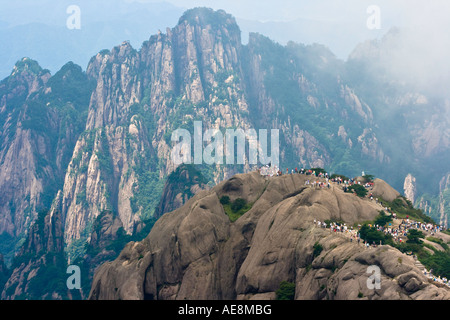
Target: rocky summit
[{"x": 199, "y": 252}]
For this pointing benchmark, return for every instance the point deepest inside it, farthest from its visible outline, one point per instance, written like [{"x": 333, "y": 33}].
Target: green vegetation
[
  {"x": 49, "y": 278},
  {"x": 414, "y": 244},
  {"x": 439, "y": 262},
  {"x": 403, "y": 208},
  {"x": 7, "y": 246},
  {"x": 71, "y": 85},
  {"x": 56, "y": 115},
  {"x": 225, "y": 200},
  {"x": 4, "y": 274},
  {"x": 104, "y": 158},
  {"x": 50, "y": 267},
  {"x": 358, "y": 189},
  {"x": 372, "y": 235},
  {"x": 286, "y": 291},
  {"x": 382, "y": 219},
  {"x": 148, "y": 192},
  {"x": 88, "y": 262},
  {"x": 414, "y": 236},
  {"x": 440, "y": 242},
  {"x": 281, "y": 67},
  {"x": 29, "y": 65},
  {"x": 317, "y": 249},
  {"x": 235, "y": 209},
  {"x": 433, "y": 203},
  {"x": 180, "y": 182},
  {"x": 238, "y": 204},
  {"x": 216, "y": 19},
  {"x": 368, "y": 178},
  {"x": 184, "y": 177}
]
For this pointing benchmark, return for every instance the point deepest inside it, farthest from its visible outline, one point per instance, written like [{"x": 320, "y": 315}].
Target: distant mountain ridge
[{"x": 39, "y": 29}]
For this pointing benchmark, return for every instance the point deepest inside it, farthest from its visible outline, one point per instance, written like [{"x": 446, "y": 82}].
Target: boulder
[{"x": 381, "y": 189}]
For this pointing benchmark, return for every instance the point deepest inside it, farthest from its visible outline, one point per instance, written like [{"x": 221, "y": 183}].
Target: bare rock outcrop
[
  {"x": 409, "y": 187},
  {"x": 382, "y": 189},
  {"x": 196, "y": 252},
  {"x": 180, "y": 186}
]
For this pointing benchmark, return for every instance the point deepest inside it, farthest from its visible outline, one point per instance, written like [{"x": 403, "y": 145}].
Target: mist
[{"x": 420, "y": 55}]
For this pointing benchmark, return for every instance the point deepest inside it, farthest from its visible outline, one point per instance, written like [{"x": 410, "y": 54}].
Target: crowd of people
[
  {"x": 342, "y": 228},
  {"x": 438, "y": 279},
  {"x": 318, "y": 184},
  {"x": 401, "y": 231},
  {"x": 271, "y": 171},
  {"x": 427, "y": 227},
  {"x": 398, "y": 233}
]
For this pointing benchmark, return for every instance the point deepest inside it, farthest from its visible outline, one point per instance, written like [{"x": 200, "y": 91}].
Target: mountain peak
[
  {"x": 207, "y": 16},
  {"x": 27, "y": 64}
]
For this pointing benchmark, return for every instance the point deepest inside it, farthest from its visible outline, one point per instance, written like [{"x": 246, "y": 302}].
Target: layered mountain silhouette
[{"x": 91, "y": 150}]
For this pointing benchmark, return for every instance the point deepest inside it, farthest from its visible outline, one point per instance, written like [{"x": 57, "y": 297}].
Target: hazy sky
[
  {"x": 338, "y": 24},
  {"x": 346, "y": 19},
  {"x": 398, "y": 12}
]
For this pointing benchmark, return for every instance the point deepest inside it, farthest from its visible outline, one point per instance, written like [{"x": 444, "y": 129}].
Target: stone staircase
[{"x": 419, "y": 265}]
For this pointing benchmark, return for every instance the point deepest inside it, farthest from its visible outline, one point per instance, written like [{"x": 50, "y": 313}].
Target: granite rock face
[
  {"x": 410, "y": 188},
  {"x": 196, "y": 252},
  {"x": 384, "y": 190},
  {"x": 180, "y": 186},
  {"x": 39, "y": 128}
]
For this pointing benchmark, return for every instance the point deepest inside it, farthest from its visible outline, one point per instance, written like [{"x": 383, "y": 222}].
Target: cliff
[
  {"x": 180, "y": 186},
  {"x": 38, "y": 271},
  {"x": 41, "y": 117},
  {"x": 197, "y": 252}
]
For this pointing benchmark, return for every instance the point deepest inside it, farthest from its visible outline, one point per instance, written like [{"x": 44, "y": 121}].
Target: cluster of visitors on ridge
[
  {"x": 271, "y": 171},
  {"x": 397, "y": 233}
]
